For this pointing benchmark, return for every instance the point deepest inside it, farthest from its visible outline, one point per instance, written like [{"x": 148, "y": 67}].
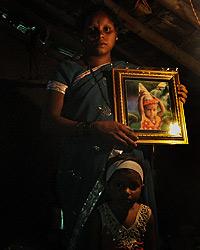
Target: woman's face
[{"x": 99, "y": 35}]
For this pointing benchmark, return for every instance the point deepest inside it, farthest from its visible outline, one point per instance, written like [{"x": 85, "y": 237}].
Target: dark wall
[
  {"x": 27, "y": 156},
  {"x": 177, "y": 179}
]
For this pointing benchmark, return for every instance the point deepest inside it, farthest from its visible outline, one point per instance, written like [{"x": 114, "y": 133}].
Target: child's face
[
  {"x": 125, "y": 186},
  {"x": 151, "y": 110},
  {"x": 100, "y": 34}
]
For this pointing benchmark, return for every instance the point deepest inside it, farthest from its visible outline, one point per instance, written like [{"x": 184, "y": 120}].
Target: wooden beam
[
  {"x": 183, "y": 10},
  {"x": 155, "y": 39}
]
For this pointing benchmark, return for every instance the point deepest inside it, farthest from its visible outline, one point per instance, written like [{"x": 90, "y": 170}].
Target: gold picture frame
[{"x": 147, "y": 101}]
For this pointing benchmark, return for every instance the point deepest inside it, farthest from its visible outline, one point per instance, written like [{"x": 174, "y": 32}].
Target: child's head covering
[
  {"x": 148, "y": 101},
  {"x": 121, "y": 164},
  {"x": 148, "y": 98}
]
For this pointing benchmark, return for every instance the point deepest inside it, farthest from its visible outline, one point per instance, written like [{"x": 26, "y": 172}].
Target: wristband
[{"x": 84, "y": 128}]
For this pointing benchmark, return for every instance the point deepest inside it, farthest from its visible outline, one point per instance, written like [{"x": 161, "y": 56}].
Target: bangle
[{"x": 84, "y": 128}]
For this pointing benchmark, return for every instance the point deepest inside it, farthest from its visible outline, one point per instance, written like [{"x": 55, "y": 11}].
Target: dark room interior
[{"x": 35, "y": 36}]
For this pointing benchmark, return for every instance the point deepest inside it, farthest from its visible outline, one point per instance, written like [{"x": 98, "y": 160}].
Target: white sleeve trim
[{"x": 57, "y": 86}]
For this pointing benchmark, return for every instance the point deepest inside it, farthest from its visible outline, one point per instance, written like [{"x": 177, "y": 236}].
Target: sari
[{"x": 80, "y": 176}]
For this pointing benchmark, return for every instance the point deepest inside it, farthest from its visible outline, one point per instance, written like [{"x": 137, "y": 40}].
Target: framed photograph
[{"x": 147, "y": 101}]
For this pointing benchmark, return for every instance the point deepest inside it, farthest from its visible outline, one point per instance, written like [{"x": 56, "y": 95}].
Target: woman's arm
[
  {"x": 52, "y": 121},
  {"x": 107, "y": 132}
]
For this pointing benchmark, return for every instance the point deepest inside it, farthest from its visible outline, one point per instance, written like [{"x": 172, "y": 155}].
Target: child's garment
[
  {"x": 117, "y": 236},
  {"x": 147, "y": 124}
]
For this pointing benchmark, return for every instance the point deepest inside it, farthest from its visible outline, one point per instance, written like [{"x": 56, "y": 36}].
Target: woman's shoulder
[
  {"x": 67, "y": 70},
  {"x": 70, "y": 64},
  {"x": 124, "y": 65}
]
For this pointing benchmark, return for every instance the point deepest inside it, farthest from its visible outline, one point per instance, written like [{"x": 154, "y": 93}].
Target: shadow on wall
[{"x": 27, "y": 169}]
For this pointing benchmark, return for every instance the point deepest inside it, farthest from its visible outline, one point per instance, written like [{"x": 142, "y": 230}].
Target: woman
[{"x": 79, "y": 109}]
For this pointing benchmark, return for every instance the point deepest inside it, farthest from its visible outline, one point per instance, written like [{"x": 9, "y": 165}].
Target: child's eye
[{"x": 132, "y": 186}]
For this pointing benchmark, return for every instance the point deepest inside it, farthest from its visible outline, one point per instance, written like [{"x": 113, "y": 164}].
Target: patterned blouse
[{"x": 117, "y": 236}]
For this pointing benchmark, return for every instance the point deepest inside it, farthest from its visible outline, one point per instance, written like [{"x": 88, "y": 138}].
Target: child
[
  {"x": 122, "y": 222},
  {"x": 148, "y": 105}
]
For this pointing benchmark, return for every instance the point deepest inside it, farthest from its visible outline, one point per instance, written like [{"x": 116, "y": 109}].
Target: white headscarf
[{"x": 129, "y": 164}]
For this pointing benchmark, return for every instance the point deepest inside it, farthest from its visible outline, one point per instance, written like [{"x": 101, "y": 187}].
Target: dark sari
[{"x": 80, "y": 179}]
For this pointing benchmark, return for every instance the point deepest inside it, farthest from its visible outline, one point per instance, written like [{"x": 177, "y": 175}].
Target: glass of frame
[{"x": 147, "y": 101}]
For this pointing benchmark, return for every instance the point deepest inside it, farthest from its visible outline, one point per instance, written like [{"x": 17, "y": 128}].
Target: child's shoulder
[
  {"x": 145, "y": 207},
  {"x": 144, "y": 212}
]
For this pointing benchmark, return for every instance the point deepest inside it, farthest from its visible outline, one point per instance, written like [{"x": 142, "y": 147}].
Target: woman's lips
[{"x": 102, "y": 44}]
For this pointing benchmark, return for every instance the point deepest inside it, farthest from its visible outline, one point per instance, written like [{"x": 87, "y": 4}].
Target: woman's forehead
[{"x": 98, "y": 17}]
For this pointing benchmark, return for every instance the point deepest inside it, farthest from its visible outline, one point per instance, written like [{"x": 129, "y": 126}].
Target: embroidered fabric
[
  {"x": 88, "y": 72},
  {"x": 124, "y": 237},
  {"x": 86, "y": 211}
]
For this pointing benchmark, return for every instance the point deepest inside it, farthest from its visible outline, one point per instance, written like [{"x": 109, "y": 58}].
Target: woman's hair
[{"x": 91, "y": 11}]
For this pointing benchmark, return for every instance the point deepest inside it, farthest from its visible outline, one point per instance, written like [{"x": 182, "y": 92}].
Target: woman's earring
[{"x": 116, "y": 38}]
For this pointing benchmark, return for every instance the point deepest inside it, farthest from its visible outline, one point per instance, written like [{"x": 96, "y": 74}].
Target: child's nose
[{"x": 128, "y": 190}]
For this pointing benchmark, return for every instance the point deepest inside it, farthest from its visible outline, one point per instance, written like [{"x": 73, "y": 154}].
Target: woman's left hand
[{"x": 182, "y": 93}]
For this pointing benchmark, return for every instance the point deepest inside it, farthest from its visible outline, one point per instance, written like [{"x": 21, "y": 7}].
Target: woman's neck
[{"x": 94, "y": 61}]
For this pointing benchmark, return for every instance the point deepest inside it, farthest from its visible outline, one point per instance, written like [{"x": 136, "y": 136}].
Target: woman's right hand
[{"x": 115, "y": 134}]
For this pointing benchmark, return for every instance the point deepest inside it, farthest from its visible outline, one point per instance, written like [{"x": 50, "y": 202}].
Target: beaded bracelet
[{"x": 84, "y": 128}]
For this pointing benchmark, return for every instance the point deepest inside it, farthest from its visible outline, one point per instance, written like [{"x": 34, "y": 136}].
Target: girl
[{"x": 122, "y": 222}]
